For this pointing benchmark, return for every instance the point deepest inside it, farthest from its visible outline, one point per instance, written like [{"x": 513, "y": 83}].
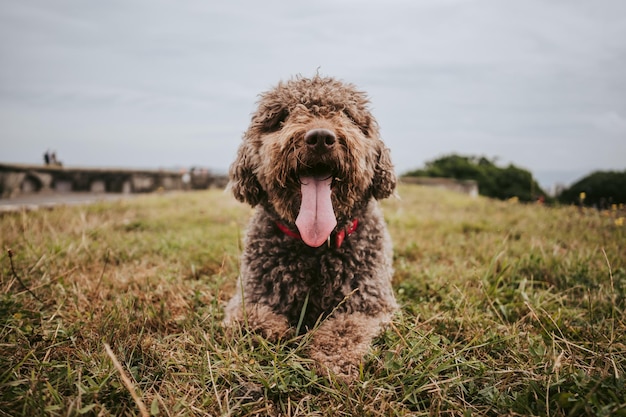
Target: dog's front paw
[
  {"x": 338, "y": 363},
  {"x": 271, "y": 326},
  {"x": 259, "y": 319},
  {"x": 340, "y": 343}
]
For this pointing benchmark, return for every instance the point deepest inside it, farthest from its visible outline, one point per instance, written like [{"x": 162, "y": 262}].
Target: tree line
[{"x": 600, "y": 188}]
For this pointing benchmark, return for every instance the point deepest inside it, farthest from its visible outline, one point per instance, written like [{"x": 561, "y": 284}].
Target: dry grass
[{"x": 506, "y": 309}]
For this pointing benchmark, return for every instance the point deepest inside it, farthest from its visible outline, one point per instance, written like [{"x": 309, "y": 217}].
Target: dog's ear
[
  {"x": 273, "y": 120},
  {"x": 243, "y": 181},
  {"x": 384, "y": 181}
]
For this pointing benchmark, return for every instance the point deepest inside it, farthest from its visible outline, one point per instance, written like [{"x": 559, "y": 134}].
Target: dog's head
[{"x": 312, "y": 147}]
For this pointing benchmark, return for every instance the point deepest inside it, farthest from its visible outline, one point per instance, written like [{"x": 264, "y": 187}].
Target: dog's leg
[
  {"x": 341, "y": 341},
  {"x": 258, "y": 318}
]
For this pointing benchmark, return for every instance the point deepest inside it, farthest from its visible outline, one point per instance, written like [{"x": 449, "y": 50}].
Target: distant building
[{"x": 469, "y": 187}]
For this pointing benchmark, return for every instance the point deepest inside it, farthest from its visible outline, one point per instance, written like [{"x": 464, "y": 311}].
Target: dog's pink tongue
[{"x": 316, "y": 219}]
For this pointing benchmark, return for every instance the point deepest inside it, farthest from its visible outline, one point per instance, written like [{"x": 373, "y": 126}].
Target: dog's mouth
[
  {"x": 316, "y": 218},
  {"x": 318, "y": 172}
]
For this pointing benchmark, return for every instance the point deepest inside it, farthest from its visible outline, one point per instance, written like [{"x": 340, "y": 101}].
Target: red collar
[{"x": 339, "y": 236}]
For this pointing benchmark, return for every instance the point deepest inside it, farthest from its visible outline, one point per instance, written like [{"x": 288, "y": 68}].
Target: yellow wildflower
[{"x": 619, "y": 221}]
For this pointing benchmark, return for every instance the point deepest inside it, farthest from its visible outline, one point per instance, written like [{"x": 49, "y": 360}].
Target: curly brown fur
[{"x": 346, "y": 287}]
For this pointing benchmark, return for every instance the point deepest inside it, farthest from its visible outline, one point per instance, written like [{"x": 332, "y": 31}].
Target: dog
[{"x": 317, "y": 254}]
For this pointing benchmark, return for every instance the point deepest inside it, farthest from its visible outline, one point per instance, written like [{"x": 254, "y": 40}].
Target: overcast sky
[{"x": 131, "y": 83}]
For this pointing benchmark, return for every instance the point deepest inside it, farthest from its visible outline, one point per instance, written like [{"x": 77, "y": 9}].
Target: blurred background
[{"x": 160, "y": 84}]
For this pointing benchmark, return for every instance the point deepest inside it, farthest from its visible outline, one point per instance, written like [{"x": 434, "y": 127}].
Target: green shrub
[
  {"x": 601, "y": 188},
  {"x": 493, "y": 181}
]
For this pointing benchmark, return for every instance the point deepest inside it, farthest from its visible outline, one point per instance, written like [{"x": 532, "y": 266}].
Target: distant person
[
  {"x": 54, "y": 160},
  {"x": 186, "y": 178},
  {"x": 46, "y": 157}
]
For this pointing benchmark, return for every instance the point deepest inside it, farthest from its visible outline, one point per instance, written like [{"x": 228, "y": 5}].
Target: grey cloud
[{"x": 146, "y": 83}]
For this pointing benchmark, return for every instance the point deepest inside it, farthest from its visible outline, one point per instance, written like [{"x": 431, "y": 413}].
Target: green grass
[{"x": 507, "y": 309}]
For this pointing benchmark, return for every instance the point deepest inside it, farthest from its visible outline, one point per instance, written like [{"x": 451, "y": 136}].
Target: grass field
[{"x": 507, "y": 309}]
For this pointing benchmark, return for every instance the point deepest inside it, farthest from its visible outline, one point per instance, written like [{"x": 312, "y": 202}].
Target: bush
[
  {"x": 493, "y": 181},
  {"x": 601, "y": 188}
]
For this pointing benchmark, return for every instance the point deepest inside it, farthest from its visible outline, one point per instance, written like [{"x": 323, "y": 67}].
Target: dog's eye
[
  {"x": 349, "y": 116},
  {"x": 275, "y": 121},
  {"x": 363, "y": 124}
]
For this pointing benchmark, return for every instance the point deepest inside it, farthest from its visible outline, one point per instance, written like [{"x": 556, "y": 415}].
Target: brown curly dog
[{"x": 317, "y": 251}]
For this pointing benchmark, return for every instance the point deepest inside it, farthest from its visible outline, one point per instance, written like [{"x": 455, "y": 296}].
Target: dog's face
[{"x": 312, "y": 139}]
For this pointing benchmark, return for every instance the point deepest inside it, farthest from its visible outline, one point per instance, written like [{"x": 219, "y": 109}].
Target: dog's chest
[{"x": 289, "y": 277}]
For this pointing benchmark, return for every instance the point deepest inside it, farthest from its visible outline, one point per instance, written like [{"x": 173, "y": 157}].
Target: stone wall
[
  {"x": 16, "y": 179},
  {"x": 469, "y": 187}
]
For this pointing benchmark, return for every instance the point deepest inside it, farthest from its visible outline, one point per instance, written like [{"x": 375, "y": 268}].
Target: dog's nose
[{"x": 320, "y": 139}]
